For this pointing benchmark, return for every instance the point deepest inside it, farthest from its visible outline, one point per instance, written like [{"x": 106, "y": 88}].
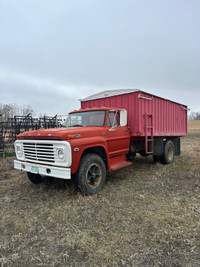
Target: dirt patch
[{"x": 146, "y": 215}]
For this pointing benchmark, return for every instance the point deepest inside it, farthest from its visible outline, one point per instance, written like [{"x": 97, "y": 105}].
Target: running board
[
  {"x": 120, "y": 165},
  {"x": 119, "y": 162}
]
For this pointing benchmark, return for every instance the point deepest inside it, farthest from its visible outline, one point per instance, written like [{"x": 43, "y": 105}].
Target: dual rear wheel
[{"x": 168, "y": 155}]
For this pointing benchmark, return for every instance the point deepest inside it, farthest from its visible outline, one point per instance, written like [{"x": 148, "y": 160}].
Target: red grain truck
[{"x": 104, "y": 135}]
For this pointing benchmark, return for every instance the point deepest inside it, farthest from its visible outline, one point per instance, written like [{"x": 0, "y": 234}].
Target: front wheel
[
  {"x": 34, "y": 178},
  {"x": 91, "y": 175}
]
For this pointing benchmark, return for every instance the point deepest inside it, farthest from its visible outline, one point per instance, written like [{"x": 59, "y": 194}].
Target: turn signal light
[
  {"x": 69, "y": 137},
  {"x": 139, "y": 134}
]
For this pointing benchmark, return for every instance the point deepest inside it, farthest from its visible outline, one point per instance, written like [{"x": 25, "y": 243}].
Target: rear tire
[
  {"x": 34, "y": 178},
  {"x": 169, "y": 152},
  {"x": 91, "y": 175}
]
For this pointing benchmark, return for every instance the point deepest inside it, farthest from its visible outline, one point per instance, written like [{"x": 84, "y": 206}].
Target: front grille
[{"x": 39, "y": 152}]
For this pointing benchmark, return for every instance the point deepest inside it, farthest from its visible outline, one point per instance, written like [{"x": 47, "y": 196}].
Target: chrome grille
[{"x": 39, "y": 152}]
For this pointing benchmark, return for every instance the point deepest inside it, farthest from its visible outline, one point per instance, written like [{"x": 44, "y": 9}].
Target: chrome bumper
[{"x": 57, "y": 172}]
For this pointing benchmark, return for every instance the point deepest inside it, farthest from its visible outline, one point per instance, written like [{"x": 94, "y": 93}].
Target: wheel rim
[
  {"x": 94, "y": 175},
  {"x": 170, "y": 153}
]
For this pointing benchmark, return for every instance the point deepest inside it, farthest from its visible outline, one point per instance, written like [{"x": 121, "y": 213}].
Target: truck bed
[{"x": 147, "y": 113}]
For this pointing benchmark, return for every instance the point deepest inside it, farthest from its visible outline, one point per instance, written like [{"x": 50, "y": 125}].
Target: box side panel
[
  {"x": 169, "y": 118},
  {"x": 172, "y": 121}
]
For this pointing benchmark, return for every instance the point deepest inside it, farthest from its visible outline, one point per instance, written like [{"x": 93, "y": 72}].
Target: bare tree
[
  {"x": 11, "y": 110},
  {"x": 6, "y": 111},
  {"x": 194, "y": 116},
  {"x": 27, "y": 109}
]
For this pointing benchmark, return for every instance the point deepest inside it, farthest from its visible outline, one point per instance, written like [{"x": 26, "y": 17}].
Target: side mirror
[{"x": 123, "y": 117}]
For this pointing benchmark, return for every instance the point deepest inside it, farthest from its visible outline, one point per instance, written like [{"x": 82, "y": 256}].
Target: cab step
[
  {"x": 120, "y": 165},
  {"x": 119, "y": 162}
]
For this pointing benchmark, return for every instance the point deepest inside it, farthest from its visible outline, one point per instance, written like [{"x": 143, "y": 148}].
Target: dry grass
[
  {"x": 194, "y": 126},
  {"x": 146, "y": 215}
]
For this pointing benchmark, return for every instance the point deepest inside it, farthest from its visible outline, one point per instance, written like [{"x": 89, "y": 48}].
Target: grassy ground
[{"x": 146, "y": 215}]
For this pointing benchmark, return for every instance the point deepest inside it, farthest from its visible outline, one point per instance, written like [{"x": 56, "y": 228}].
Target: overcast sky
[{"x": 54, "y": 52}]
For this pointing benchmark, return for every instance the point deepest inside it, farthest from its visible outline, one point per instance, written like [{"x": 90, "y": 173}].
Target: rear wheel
[
  {"x": 91, "y": 174},
  {"x": 34, "y": 178},
  {"x": 169, "y": 152}
]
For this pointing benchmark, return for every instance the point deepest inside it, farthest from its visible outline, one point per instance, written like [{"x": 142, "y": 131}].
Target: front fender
[{"x": 80, "y": 145}]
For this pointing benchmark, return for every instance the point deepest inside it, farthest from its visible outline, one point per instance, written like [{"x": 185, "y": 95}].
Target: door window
[{"x": 113, "y": 119}]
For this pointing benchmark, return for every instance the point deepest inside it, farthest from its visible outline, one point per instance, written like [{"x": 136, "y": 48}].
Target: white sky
[{"x": 54, "y": 52}]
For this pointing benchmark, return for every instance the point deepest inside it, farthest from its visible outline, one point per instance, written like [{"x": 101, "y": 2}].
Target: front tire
[
  {"x": 91, "y": 175},
  {"x": 34, "y": 178}
]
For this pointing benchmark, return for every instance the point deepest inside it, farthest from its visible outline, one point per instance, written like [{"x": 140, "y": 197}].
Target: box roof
[
  {"x": 109, "y": 93},
  {"x": 115, "y": 92}
]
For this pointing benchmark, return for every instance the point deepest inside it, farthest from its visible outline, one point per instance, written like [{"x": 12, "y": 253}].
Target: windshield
[{"x": 87, "y": 118}]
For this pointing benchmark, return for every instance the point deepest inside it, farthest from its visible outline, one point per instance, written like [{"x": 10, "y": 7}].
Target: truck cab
[{"x": 92, "y": 141}]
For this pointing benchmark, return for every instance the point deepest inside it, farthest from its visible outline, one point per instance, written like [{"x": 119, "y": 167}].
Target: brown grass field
[{"x": 146, "y": 215}]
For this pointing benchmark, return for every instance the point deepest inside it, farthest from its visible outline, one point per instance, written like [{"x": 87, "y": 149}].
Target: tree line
[
  {"x": 11, "y": 110},
  {"x": 194, "y": 116}
]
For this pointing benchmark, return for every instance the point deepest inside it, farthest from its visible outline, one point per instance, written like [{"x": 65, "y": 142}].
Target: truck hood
[{"x": 61, "y": 133}]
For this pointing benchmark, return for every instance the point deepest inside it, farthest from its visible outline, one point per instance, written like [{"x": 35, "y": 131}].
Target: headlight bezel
[
  {"x": 61, "y": 149},
  {"x": 19, "y": 151},
  {"x": 61, "y": 154}
]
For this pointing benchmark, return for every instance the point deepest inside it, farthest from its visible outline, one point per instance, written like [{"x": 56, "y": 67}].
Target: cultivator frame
[{"x": 10, "y": 128}]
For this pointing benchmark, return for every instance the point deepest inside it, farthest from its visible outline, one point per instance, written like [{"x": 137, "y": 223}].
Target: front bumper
[{"x": 57, "y": 172}]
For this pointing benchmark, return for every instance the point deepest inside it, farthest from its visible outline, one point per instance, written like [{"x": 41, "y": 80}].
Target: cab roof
[{"x": 94, "y": 109}]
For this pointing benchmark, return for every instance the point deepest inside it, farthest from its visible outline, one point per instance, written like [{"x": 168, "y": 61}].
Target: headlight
[
  {"x": 19, "y": 150},
  {"x": 61, "y": 154}
]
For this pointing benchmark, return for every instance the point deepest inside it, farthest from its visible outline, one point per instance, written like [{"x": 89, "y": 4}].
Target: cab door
[{"x": 117, "y": 137}]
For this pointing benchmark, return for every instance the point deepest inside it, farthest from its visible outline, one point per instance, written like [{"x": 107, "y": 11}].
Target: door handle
[
  {"x": 125, "y": 129},
  {"x": 112, "y": 129}
]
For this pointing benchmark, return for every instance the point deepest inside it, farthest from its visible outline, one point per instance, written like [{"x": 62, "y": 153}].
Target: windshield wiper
[{"x": 76, "y": 125}]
